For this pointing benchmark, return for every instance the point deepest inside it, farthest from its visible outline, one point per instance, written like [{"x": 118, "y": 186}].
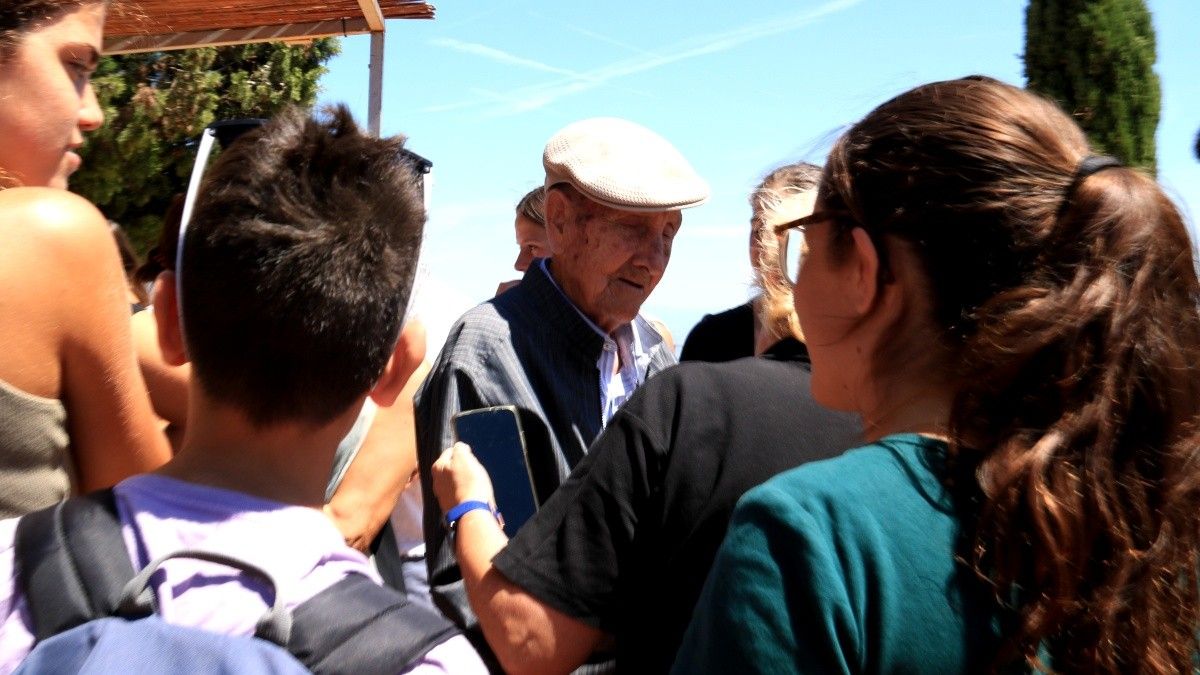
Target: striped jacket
[{"x": 528, "y": 347}]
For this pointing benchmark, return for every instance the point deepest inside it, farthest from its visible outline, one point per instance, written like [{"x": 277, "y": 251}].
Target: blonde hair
[
  {"x": 775, "y": 309},
  {"x": 532, "y": 205}
]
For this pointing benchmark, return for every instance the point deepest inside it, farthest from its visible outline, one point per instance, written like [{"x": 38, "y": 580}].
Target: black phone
[{"x": 498, "y": 442}]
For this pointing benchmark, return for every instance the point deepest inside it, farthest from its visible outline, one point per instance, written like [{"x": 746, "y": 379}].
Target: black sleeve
[{"x": 574, "y": 552}]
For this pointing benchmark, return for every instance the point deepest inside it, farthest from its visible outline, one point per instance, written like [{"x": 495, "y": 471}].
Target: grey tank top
[{"x": 35, "y": 464}]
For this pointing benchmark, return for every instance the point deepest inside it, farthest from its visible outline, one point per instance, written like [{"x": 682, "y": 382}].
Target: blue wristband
[{"x": 454, "y": 514}]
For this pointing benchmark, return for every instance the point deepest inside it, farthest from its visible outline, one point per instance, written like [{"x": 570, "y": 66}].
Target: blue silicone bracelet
[{"x": 466, "y": 507}]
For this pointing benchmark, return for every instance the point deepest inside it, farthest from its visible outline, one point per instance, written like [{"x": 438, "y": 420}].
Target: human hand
[{"x": 459, "y": 477}]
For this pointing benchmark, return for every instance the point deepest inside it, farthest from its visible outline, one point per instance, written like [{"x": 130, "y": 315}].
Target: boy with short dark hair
[{"x": 296, "y": 270}]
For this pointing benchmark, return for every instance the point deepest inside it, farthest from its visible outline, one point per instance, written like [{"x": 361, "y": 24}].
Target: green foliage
[
  {"x": 156, "y": 104},
  {"x": 1096, "y": 58}
]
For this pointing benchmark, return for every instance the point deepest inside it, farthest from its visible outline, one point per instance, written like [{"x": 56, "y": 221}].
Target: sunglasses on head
[{"x": 222, "y": 133}]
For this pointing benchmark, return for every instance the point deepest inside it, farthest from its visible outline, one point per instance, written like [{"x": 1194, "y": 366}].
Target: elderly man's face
[{"x": 608, "y": 261}]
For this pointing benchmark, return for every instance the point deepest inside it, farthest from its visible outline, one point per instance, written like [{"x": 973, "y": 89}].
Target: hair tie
[{"x": 1086, "y": 167}]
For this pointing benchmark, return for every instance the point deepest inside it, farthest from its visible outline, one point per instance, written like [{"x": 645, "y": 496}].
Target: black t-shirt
[
  {"x": 724, "y": 336},
  {"x": 626, "y": 543}
]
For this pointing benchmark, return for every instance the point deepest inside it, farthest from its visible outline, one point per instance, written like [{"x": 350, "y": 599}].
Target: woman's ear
[
  {"x": 864, "y": 270},
  {"x": 166, "y": 320},
  {"x": 405, "y": 359}
]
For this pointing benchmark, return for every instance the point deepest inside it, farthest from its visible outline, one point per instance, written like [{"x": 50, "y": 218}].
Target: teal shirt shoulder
[{"x": 844, "y": 566}]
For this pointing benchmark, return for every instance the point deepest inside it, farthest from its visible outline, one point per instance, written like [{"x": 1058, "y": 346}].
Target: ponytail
[
  {"x": 1079, "y": 393},
  {"x": 1066, "y": 298}
]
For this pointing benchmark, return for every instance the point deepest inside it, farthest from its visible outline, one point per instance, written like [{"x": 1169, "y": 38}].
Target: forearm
[
  {"x": 382, "y": 469},
  {"x": 360, "y": 512},
  {"x": 375, "y": 478},
  {"x": 526, "y": 635}
]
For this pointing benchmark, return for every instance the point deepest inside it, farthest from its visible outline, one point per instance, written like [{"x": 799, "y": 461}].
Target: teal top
[{"x": 845, "y": 566}]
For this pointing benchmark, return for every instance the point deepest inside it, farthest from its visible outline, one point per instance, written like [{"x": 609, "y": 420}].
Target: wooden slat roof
[{"x": 145, "y": 25}]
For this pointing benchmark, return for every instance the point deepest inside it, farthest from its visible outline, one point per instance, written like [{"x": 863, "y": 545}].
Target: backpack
[{"x": 91, "y": 613}]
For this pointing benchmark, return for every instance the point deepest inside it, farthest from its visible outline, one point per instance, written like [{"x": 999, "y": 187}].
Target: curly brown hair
[{"x": 1068, "y": 319}]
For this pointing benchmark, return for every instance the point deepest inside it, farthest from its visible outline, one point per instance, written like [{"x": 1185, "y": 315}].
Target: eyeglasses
[
  {"x": 790, "y": 246},
  {"x": 791, "y": 242}
]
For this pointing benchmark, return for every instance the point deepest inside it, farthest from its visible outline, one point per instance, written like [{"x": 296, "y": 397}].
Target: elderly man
[{"x": 566, "y": 344}]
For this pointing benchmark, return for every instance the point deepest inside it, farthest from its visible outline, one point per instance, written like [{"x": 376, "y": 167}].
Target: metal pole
[{"x": 375, "y": 90}]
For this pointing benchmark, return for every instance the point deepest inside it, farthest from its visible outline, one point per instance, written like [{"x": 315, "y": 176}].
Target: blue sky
[{"x": 739, "y": 88}]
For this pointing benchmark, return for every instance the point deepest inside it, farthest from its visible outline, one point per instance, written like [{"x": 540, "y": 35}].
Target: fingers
[
  {"x": 446, "y": 460},
  {"x": 458, "y": 477}
]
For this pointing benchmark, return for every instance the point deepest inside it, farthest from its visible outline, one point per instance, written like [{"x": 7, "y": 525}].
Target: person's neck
[
  {"x": 920, "y": 408},
  {"x": 288, "y": 463},
  {"x": 570, "y": 290}
]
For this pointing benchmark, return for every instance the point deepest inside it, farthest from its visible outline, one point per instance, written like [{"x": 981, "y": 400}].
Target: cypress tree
[
  {"x": 155, "y": 106},
  {"x": 1096, "y": 59}
]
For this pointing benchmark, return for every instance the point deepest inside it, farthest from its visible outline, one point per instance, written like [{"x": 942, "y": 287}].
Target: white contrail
[
  {"x": 540, "y": 95},
  {"x": 499, "y": 56}
]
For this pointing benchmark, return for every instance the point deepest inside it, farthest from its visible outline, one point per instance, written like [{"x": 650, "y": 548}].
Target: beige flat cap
[{"x": 622, "y": 165}]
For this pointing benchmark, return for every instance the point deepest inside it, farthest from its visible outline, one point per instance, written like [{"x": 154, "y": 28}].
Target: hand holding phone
[
  {"x": 497, "y": 440},
  {"x": 459, "y": 477}
]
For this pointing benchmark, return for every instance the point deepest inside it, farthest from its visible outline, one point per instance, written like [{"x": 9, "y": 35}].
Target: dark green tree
[
  {"x": 1096, "y": 58},
  {"x": 156, "y": 104}
]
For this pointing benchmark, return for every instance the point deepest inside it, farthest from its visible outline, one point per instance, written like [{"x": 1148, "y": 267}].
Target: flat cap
[{"x": 622, "y": 165}]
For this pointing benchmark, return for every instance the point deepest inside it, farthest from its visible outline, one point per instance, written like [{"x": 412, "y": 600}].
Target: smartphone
[{"x": 498, "y": 442}]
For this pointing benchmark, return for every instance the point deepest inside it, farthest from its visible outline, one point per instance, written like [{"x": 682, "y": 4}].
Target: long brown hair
[{"x": 1068, "y": 315}]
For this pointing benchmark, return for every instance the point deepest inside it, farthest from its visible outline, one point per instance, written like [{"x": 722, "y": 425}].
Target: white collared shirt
[{"x": 623, "y": 355}]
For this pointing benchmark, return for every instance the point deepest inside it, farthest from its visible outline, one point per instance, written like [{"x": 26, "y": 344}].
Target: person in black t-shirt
[
  {"x": 621, "y": 550},
  {"x": 723, "y": 336},
  {"x": 751, "y": 328}
]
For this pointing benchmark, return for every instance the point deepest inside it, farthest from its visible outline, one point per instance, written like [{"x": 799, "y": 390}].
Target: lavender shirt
[{"x": 298, "y": 546}]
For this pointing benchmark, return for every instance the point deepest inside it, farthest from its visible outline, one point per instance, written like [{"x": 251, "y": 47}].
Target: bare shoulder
[
  {"x": 55, "y": 223},
  {"x": 58, "y": 248},
  {"x": 46, "y": 212}
]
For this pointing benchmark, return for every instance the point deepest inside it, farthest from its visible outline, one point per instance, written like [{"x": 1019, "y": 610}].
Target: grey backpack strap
[
  {"x": 73, "y": 567},
  {"x": 71, "y": 562},
  {"x": 359, "y": 626},
  {"x": 137, "y": 598}
]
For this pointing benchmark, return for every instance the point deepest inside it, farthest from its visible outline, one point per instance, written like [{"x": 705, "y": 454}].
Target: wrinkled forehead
[{"x": 608, "y": 214}]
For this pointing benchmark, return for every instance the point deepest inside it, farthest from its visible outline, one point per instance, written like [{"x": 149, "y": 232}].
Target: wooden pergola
[{"x": 158, "y": 25}]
